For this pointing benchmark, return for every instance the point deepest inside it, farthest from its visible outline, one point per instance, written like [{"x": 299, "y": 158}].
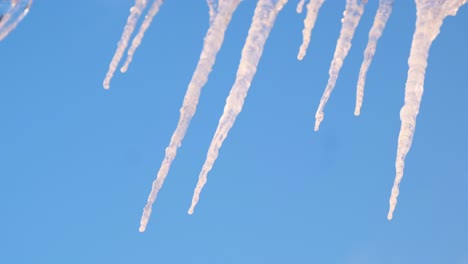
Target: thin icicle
[
  {"x": 213, "y": 6},
  {"x": 135, "y": 13},
  {"x": 141, "y": 33},
  {"x": 383, "y": 13},
  {"x": 313, "y": 8},
  {"x": 300, "y": 6},
  {"x": 262, "y": 22},
  {"x": 351, "y": 17},
  {"x": 9, "y": 22},
  {"x": 430, "y": 15},
  {"x": 5, "y": 27},
  {"x": 212, "y": 44}
]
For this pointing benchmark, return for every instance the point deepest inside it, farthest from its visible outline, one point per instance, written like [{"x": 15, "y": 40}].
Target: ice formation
[
  {"x": 430, "y": 16},
  {"x": 383, "y": 13},
  {"x": 213, "y": 41},
  {"x": 135, "y": 13},
  {"x": 11, "y": 13}
]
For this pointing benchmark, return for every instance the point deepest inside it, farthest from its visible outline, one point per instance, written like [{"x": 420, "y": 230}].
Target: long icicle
[
  {"x": 6, "y": 26},
  {"x": 212, "y": 44},
  {"x": 300, "y": 6},
  {"x": 430, "y": 16},
  {"x": 313, "y": 8},
  {"x": 351, "y": 17},
  {"x": 135, "y": 13},
  {"x": 262, "y": 22},
  {"x": 141, "y": 33},
  {"x": 381, "y": 18}
]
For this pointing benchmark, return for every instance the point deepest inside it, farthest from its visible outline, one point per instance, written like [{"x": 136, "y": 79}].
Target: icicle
[
  {"x": 313, "y": 8},
  {"x": 141, "y": 33},
  {"x": 135, "y": 13},
  {"x": 430, "y": 15},
  {"x": 351, "y": 17},
  {"x": 300, "y": 6},
  {"x": 262, "y": 22},
  {"x": 212, "y": 44},
  {"x": 383, "y": 13},
  {"x": 11, "y": 19}
]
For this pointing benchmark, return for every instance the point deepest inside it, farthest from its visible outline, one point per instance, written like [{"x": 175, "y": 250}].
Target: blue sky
[{"x": 77, "y": 161}]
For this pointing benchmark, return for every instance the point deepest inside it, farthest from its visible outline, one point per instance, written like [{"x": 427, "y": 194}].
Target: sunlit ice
[
  {"x": 429, "y": 19},
  {"x": 11, "y": 14}
]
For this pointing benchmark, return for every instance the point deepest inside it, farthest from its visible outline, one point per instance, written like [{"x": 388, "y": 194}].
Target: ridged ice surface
[
  {"x": 213, "y": 41},
  {"x": 430, "y": 16}
]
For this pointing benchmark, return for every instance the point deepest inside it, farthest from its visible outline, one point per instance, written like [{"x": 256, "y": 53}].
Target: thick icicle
[
  {"x": 383, "y": 13},
  {"x": 212, "y": 44},
  {"x": 313, "y": 8},
  {"x": 300, "y": 6},
  {"x": 19, "y": 9},
  {"x": 135, "y": 13},
  {"x": 141, "y": 33},
  {"x": 430, "y": 15},
  {"x": 262, "y": 22},
  {"x": 351, "y": 17}
]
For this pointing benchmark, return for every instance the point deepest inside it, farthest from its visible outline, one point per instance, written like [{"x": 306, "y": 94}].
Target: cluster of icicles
[
  {"x": 11, "y": 13},
  {"x": 430, "y": 15}
]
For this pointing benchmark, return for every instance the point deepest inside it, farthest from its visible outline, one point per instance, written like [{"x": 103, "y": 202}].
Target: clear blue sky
[{"x": 77, "y": 161}]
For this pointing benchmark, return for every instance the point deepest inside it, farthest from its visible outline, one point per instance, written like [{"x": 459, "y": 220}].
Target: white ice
[
  {"x": 262, "y": 22},
  {"x": 381, "y": 18},
  {"x": 213, "y": 40},
  {"x": 313, "y": 7},
  {"x": 351, "y": 17},
  {"x": 430, "y": 15},
  {"x": 135, "y": 13}
]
